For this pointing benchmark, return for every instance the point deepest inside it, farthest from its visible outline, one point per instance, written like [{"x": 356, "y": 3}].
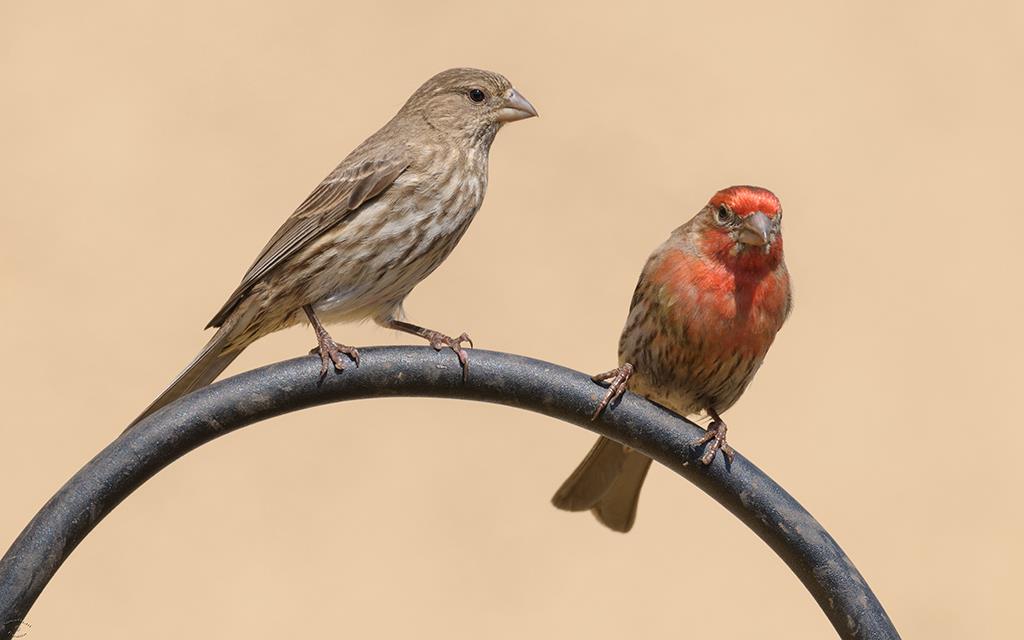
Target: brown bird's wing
[{"x": 345, "y": 190}]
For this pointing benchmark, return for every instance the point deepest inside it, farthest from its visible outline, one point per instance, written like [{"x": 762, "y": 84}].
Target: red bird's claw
[
  {"x": 619, "y": 378},
  {"x": 715, "y": 439},
  {"x": 455, "y": 344}
]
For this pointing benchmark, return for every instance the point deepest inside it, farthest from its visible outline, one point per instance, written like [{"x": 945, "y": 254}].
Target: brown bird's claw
[
  {"x": 619, "y": 377},
  {"x": 440, "y": 341},
  {"x": 331, "y": 351},
  {"x": 715, "y": 439},
  {"x": 437, "y": 340}
]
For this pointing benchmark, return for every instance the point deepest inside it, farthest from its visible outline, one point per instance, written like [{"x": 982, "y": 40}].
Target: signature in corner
[{"x": 21, "y": 630}]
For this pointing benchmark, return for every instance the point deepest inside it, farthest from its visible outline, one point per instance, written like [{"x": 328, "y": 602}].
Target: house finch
[
  {"x": 380, "y": 223},
  {"x": 706, "y": 309}
]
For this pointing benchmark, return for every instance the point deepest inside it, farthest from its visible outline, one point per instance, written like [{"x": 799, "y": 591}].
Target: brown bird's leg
[
  {"x": 618, "y": 376},
  {"x": 437, "y": 340},
  {"x": 715, "y": 436},
  {"x": 329, "y": 350}
]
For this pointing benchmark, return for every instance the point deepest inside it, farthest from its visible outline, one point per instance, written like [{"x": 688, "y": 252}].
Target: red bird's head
[{"x": 741, "y": 227}]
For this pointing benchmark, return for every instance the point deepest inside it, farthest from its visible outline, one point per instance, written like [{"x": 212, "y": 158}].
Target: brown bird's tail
[
  {"x": 203, "y": 370},
  {"x": 608, "y": 483}
]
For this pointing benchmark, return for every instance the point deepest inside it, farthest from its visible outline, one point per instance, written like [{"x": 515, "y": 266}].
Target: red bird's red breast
[{"x": 733, "y": 308}]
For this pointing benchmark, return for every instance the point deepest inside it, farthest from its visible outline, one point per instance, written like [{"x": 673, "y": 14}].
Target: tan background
[{"x": 150, "y": 149}]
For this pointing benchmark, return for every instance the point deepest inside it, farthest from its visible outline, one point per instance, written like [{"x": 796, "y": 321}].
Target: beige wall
[{"x": 149, "y": 150}]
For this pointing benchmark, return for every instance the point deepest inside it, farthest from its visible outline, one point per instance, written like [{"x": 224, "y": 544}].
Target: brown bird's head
[
  {"x": 469, "y": 105},
  {"x": 741, "y": 226}
]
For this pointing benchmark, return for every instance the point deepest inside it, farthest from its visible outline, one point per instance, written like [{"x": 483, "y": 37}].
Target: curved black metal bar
[{"x": 501, "y": 378}]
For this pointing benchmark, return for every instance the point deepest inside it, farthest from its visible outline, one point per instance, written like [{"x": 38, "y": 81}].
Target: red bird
[{"x": 706, "y": 309}]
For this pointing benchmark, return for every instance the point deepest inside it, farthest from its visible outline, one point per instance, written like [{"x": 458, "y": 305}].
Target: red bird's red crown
[{"x": 745, "y": 200}]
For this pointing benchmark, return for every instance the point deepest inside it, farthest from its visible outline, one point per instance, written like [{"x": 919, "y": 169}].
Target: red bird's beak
[
  {"x": 516, "y": 108},
  {"x": 756, "y": 230}
]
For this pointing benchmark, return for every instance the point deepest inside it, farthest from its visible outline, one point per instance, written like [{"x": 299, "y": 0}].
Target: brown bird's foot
[
  {"x": 618, "y": 377},
  {"x": 715, "y": 439},
  {"x": 438, "y": 340},
  {"x": 329, "y": 350}
]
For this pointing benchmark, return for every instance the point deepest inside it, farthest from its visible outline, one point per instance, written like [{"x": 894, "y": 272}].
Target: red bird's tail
[{"x": 608, "y": 483}]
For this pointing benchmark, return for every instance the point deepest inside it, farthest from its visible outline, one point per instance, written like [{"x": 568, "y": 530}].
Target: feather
[{"x": 337, "y": 197}]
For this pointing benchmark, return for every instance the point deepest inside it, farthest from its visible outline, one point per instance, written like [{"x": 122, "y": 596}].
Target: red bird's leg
[
  {"x": 618, "y": 378},
  {"x": 329, "y": 350},
  {"x": 715, "y": 437},
  {"x": 437, "y": 340}
]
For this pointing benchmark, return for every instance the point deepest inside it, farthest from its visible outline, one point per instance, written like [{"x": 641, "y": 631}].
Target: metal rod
[{"x": 500, "y": 378}]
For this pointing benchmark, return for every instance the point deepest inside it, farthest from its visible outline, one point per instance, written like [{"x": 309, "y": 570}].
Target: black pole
[{"x": 501, "y": 378}]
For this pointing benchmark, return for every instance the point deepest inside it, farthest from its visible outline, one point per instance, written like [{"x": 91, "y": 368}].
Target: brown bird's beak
[
  {"x": 756, "y": 230},
  {"x": 516, "y": 108}
]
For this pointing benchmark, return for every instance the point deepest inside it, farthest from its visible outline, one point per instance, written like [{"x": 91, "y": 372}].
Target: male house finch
[
  {"x": 706, "y": 309},
  {"x": 380, "y": 223}
]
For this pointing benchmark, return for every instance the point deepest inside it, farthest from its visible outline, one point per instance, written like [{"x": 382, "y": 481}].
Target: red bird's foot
[
  {"x": 715, "y": 439},
  {"x": 438, "y": 340},
  {"x": 329, "y": 350},
  {"x": 618, "y": 377}
]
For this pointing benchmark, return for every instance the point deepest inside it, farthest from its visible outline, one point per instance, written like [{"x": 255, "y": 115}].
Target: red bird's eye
[
  {"x": 476, "y": 95},
  {"x": 722, "y": 214}
]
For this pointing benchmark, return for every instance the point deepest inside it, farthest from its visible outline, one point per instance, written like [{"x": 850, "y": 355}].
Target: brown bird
[
  {"x": 706, "y": 309},
  {"x": 381, "y": 222}
]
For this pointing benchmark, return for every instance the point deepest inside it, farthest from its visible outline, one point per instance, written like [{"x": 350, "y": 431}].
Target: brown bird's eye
[
  {"x": 476, "y": 95},
  {"x": 722, "y": 214}
]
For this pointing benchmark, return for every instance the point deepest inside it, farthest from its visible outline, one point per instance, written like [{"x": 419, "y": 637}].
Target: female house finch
[
  {"x": 380, "y": 223},
  {"x": 706, "y": 309}
]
